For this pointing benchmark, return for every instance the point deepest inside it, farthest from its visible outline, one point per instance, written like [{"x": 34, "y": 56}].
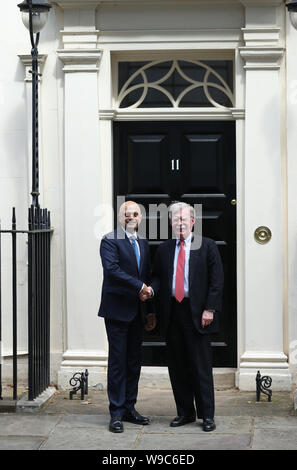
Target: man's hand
[
  {"x": 145, "y": 293},
  {"x": 207, "y": 318},
  {"x": 151, "y": 322}
]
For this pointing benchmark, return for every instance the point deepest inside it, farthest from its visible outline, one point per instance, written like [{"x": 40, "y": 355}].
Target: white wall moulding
[
  {"x": 207, "y": 114},
  {"x": 88, "y": 358},
  {"x": 80, "y": 60},
  {"x": 223, "y": 38},
  {"x": 83, "y": 39},
  {"x": 268, "y": 36},
  {"x": 262, "y": 58},
  {"x": 267, "y": 359},
  {"x": 27, "y": 61},
  {"x": 75, "y": 3}
]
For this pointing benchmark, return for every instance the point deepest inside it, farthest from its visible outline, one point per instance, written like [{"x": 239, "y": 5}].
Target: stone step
[{"x": 157, "y": 377}]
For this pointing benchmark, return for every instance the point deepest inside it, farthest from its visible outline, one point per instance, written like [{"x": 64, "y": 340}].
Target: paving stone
[
  {"x": 276, "y": 422},
  {"x": 233, "y": 424},
  {"x": 274, "y": 439},
  {"x": 205, "y": 441},
  {"x": 84, "y": 421},
  {"x": 90, "y": 439},
  {"x": 17, "y": 424},
  {"x": 161, "y": 424},
  {"x": 20, "y": 443},
  {"x": 226, "y": 424}
]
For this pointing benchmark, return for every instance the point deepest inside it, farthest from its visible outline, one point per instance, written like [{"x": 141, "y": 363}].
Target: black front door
[{"x": 195, "y": 162}]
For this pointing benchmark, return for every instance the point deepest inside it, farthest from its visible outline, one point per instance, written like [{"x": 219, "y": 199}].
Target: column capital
[
  {"x": 80, "y": 60},
  {"x": 261, "y": 58},
  {"x": 261, "y": 36},
  {"x": 86, "y": 38},
  {"x": 27, "y": 61}
]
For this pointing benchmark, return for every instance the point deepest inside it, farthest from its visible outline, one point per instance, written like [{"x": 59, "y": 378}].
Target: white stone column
[
  {"x": 85, "y": 336},
  {"x": 264, "y": 192}
]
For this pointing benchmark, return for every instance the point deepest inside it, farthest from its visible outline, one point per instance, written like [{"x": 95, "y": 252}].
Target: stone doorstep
[
  {"x": 151, "y": 377},
  {"x": 157, "y": 377}
]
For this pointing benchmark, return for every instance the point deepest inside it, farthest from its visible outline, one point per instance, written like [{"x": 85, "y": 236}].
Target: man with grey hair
[
  {"x": 189, "y": 281},
  {"x": 176, "y": 206}
]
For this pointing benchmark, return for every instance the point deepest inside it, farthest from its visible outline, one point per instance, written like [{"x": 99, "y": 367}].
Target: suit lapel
[
  {"x": 141, "y": 249},
  {"x": 122, "y": 235},
  {"x": 171, "y": 252},
  {"x": 193, "y": 262}
]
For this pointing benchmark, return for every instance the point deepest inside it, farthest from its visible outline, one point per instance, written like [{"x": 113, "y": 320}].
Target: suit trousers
[
  {"x": 189, "y": 364},
  {"x": 124, "y": 363}
]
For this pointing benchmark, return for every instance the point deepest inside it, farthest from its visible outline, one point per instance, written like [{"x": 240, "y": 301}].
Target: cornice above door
[{"x": 86, "y": 3}]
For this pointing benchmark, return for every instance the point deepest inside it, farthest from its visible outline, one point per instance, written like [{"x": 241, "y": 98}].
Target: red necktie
[{"x": 180, "y": 273}]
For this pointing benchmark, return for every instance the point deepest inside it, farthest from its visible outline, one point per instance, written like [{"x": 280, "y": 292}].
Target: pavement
[{"x": 72, "y": 425}]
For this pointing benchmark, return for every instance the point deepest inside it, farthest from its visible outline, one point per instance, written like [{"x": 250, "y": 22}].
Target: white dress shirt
[
  {"x": 131, "y": 236},
  {"x": 187, "y": 248}
]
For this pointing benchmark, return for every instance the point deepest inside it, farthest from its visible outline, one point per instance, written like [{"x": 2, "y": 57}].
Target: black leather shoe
[
  {"x": 181, "y": 420},
  {"x": 208, "y": 425},
  {"x": 116, "y": 424},
  {"x": 135, "y": 418}
]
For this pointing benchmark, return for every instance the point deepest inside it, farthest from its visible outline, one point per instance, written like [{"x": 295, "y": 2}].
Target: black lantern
[
  {"x": 292, "y": 9},
  {"x": 40, "y": 9},
  {"x": 34, "y": 16}
]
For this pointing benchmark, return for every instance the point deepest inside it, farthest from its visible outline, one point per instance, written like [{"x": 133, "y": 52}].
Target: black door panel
[{"x": 195, "y": 162}]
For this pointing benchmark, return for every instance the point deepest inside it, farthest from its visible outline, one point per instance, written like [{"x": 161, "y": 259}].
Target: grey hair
[{"x": 177, "y": 206}]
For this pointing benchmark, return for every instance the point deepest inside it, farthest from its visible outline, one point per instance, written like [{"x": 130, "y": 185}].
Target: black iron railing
[{"x": 38, "y": 233}]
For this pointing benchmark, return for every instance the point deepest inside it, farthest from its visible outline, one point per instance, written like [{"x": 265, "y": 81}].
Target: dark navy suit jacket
[
  {"x": 206, "y": 280},
  {"x": 122, "y": 280}
]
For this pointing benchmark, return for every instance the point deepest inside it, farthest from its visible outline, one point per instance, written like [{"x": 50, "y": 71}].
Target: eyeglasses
[{"x": 131, "y": 214}]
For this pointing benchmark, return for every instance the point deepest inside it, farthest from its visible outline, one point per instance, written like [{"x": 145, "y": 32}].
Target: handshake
[{"x": 145, "y": 293}]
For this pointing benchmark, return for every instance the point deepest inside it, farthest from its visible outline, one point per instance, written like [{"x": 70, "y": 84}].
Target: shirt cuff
[{"x": 141, "y": 288}]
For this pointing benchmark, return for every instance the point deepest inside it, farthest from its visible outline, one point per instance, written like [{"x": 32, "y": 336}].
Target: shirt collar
[
  {"x": 187, "y": 240},
  {"x": 129, "y": 234}
]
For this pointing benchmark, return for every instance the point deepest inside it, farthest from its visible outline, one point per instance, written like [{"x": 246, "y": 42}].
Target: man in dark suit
[
  {"x": 126, "y": 269},
  {"x": 189, "y": 281}
]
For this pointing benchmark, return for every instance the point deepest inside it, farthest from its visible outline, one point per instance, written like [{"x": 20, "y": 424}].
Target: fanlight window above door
[{"x": 175, "y": 84}]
